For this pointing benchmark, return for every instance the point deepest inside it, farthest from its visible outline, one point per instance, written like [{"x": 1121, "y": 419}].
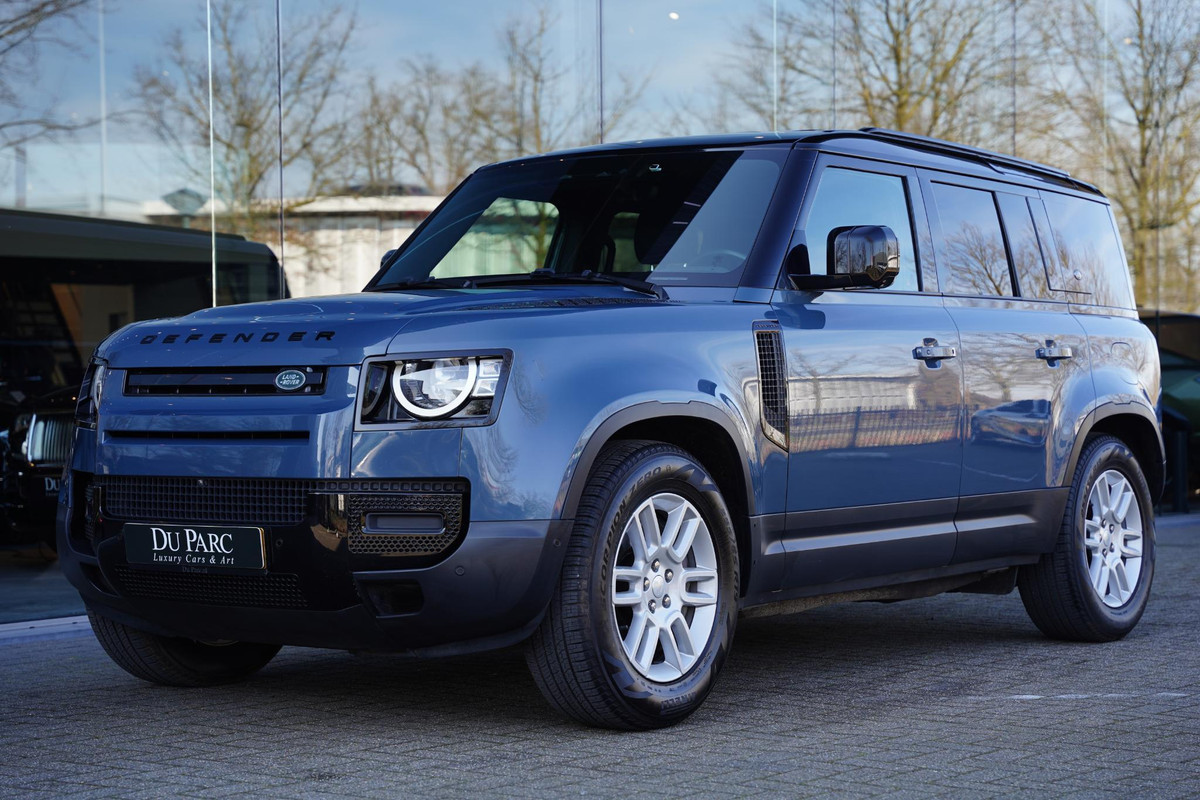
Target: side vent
[{"x": 772, "y": 382}]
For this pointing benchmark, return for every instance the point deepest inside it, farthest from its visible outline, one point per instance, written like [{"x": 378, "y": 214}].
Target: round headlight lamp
[{"x": 434, "y": 387}]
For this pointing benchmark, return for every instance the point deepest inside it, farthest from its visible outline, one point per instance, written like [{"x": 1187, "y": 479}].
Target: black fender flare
[
  {"x": 573, "y": 483},
  {"x": 1097, "y": 415}
]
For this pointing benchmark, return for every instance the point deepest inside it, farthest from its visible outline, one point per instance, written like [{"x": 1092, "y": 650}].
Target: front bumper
[{"x": 488, "y": 587}]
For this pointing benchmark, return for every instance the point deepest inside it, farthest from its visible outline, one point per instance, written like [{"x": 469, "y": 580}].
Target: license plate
[{"x": 195, "y": 547}]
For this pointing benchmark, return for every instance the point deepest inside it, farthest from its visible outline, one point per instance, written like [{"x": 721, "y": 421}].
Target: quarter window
[
  {"x": 1087, "y": 243},
  {"x": 971, "y": 255},
  {"x": 848, "y": 197}
]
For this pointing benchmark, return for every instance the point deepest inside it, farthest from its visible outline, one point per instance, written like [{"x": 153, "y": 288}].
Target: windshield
[{"x": 674, "y": 218}]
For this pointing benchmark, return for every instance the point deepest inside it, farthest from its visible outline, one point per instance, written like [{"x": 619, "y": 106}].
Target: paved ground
[
  {"x": 955, "y": 696},
  {"x": 32, "y": 586}
]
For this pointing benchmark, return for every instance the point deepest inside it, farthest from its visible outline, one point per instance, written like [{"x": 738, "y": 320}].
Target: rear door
[
  {"x": 1023, "y": 356},
  {"x": 875, "y": 437}
]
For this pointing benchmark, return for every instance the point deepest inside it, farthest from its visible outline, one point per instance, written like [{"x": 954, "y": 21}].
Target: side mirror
[
  {"x": 386, "y": 256},
  {"x": 858, "y": 256}
]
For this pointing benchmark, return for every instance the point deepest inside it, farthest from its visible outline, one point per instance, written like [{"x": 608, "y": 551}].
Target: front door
[{"x": 874, "y": 397}]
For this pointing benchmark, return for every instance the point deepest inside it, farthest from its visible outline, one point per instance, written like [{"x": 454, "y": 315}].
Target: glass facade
[{"x": 326, "y": 131}]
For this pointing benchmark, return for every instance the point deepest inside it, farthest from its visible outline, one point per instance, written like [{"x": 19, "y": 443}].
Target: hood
[{"x": 329, "y": 331}]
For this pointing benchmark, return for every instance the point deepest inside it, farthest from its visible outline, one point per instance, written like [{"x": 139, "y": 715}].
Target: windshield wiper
[
  {"x": 426, "y": 283},
  {"x": 587, "y": 276}
]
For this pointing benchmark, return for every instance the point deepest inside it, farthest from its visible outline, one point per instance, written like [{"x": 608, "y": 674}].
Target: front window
[{"x": 671, "y": 218}]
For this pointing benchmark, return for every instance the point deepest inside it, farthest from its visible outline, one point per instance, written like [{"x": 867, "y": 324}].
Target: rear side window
[
  {"x": 1087, "y": 244},
  {"x": 971, "y": 257},
  {"x": 848, "y": 197},
  {"x": 1032, "y": 280}
]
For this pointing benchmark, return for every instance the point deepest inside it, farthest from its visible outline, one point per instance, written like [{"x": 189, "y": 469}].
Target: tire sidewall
[
  {"x": 657, "y": 473},
  {"x": 1111, "y": 454}
]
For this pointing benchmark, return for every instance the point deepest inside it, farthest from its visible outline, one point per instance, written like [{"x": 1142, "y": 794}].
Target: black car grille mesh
[
  {"x": 772, "y": 381},
  {"x": 256, "y": 591},
  {"x": 448, "y": 506},
  {"x": 260, "y": 501}
]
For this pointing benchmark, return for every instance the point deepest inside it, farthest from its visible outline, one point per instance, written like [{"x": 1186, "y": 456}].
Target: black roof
[{"x": 876, "y": 142}]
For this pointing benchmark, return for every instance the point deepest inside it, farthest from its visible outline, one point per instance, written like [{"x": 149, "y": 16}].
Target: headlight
[
  {"x": 87, "y": 404},
  {"x": 431, "y": 388}
]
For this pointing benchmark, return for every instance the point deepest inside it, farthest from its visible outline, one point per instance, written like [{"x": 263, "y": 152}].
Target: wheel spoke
[
  {"x": 647, "y": 644},
  {"x": 682, "y": 543},
  {"x": 637, "y": 632},
  {"x": 1131, "y": 544},
  {"x": 1098, "y": 572},
  {"x": 651, "y": 533},
  {"x": 1123, "y": 501},
  {"x": 670, "y": 648},
  {"x": 1119, "y": 582},
  {"x": 678, "y": 648},
  {"x": 681, "y": 634},
  {"x": 670, "y": 531},
  {"x": 1091, "y": 535},
  {"x": 1103, "y": 498},
  {"x": 698, "y": 597},
  {"x": 632, "y": 594}
]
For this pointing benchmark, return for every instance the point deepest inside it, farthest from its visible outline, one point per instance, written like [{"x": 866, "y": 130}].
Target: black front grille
[
  {"x": 221, "y": 381},
  {"x": 255, "y": 591},
  {"x": 772, "y": 382},
  {"x": 284, "y": 502},
  {"x": 258, "y": 501}
]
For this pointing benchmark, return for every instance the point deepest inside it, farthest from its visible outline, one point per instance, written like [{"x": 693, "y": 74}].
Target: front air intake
[{"x": 772, "y": 382}]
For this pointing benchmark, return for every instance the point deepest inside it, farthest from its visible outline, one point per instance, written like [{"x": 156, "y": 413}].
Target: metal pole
[
  {"x": 279, "y": 98},
  {"x": 212, "y": 156},
  {"x": 103, "y": 107},
  {"x": 600, "y": 65},
  {"x": 775, "y": 65},
  {"x": 1014, "y": 77},
  {"x": 834, "y": 50}
]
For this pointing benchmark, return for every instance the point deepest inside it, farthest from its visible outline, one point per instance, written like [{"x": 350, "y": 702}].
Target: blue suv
[{"x": 604, "y": 401}]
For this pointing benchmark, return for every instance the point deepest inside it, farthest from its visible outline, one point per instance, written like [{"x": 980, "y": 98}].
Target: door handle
[
  {"x": 931, "y": 352},
  {"x": 1052, "y": 353}
]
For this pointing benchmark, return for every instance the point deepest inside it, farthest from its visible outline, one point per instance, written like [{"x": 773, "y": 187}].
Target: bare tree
[
  {"x": 922, "y": 66},
  {"x": 916, "y": 65},
  {"x": 438, "y": 123},
  {"x": 1132, "y": 102},
  {"x": 769, "y": 83},
  {"x": 247, "y": 114},
  {"x": 26, "y": 28},
  {"x": 435, "y": 125}
]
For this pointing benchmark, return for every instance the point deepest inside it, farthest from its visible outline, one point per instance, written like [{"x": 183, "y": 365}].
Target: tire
[
  {"x": 578, "y": 656},
  {"x": 1093, "y": 587},
  {"x": 178, "y": 662}
]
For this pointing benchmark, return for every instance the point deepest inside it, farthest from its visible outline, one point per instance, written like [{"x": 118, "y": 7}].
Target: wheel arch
[
  {"x": 698, "y": 428},
  {"x": 1138, "y": 428}
]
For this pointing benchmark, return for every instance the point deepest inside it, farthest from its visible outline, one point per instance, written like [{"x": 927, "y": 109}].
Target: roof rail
[{"x": 941, "y": 146}]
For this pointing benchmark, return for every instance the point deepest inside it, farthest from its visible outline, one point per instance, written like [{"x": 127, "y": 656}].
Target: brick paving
[{"x": 956, "y": 696}]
